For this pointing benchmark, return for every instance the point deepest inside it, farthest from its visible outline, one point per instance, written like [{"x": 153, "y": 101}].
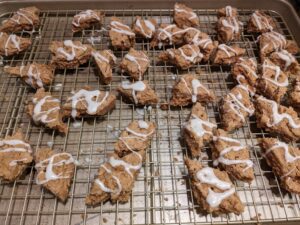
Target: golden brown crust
[
  {"x": 36, "y": 75},
  {"x": 24, "y": 19},
  {"x": 129, "y": 140},
  {"x": 241, "y": 171},
  {"x": 275, "y": 153},
  {"x": 184, "y": 16},
  {"x": 69, "y": 54},
  {"x": 267, "y": 111},
  {"x": 196, "y": 141},
  {"x": 13, "y": 162},
  {"x": 235, "y": 107},
  {"x": 8, "y": 46},
  {"x": 182, "y": 93},
  {"x": 49, "y": 113},
  {"x": 81, "y": 108},
  {"x": 125, "y": 38},
  {"x": 62, "y": 165},
  {"x": 86, "y": 19},
  {"x": 200, "y": 191}
]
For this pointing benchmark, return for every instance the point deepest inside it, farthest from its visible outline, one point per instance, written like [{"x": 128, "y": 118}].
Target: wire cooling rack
[{"x": 162, "y": 192}]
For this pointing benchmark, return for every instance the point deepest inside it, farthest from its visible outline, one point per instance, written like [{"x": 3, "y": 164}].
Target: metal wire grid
[{"x": 162, "y": 193}]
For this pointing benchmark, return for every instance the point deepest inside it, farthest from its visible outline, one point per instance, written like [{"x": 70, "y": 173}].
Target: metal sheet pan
[{"x": 162, "y": 192}]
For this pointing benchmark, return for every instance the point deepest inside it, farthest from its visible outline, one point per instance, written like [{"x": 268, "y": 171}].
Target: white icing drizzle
[
  {"x": 278, "y": 117},
  {"x": 20, "y": 14},
  {"x": 197, "y": 125},
  {"x": 191, "y": 14},
  {"x": 143, "y": 136},
  {"x": 136, "y": 59},
  {"x": 277, "y": 70},
  {"x": 12, "y": 143},
  {"x": 105, "y": 188},
  {"x": 169, "y": 34},
  {"x": 231, "y": 23},
  {"x": 195, "y": 85},
  {"x": 222, "y": 159},
  {"x": 227, "y": 49},
  {"x": 276, "y": 39},
  {"x": 42, "y": 116},
  {"x": 261, "y": 21},
  {"x": 93, "y": 40},
  {"x": 83, "y": 15},
  {"x": 287, "y": 155},
  {"x": 287, "y": 57},
  {"x": 227, "y": 139},
  {"x": 127, "y": 166},
  {"x": 89, "y": 99},
  {"x": 136, "y": 86},
  {"x": 202, "y": 42},
  {"x": 237, "y": 106},
  {"x": 70, "y": 43},
  {"x": 148, "y": 24},
  {"x": 14, "y": 39},
  {"x": 192, "y": 58},
  {"x": 244, "y": 86},
  {"x": 206, "y": 175},
  {"x": 121, "y": 28},
  {"x": 49, "y": 173},
  {"x": 15, "y": 162},
  {"x": 243, "y": 64},
  {"x": 143, "y": 124},
  {"x": 228, "y": 10},
  {"x": 287, "y": 174},
  {"x": 32, "y": 75},
  {"x": 102, "y": 58}
]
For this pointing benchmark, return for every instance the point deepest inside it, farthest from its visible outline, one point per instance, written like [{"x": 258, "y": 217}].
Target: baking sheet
[{"x": 162, "y": 193}]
